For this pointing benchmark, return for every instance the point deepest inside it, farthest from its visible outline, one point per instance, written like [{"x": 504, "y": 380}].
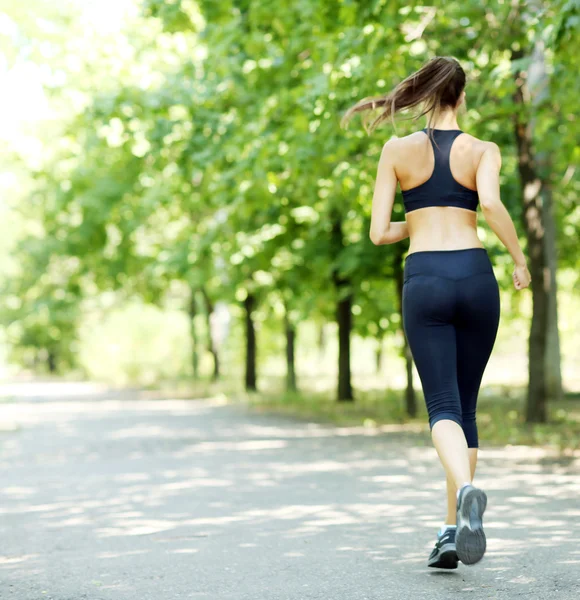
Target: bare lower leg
[
  {"x": 451, "y": 446},
  {"x": 452, "y": 489}
]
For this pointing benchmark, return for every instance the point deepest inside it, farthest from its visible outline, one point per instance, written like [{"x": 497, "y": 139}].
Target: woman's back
[{"x": 439, "y": 188}]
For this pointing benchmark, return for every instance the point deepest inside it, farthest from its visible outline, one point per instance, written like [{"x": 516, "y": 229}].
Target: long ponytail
[{"x": 437, "y": 85}]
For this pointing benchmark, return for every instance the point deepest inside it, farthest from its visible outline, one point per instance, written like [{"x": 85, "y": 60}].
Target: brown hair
[{"x": 438, "y": 84}]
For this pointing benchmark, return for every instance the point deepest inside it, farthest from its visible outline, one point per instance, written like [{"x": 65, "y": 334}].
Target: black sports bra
[{"x": 441, "y": 189}]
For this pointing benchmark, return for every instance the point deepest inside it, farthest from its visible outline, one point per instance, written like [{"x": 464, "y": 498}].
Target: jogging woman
[{"x": 451, "y": 304}]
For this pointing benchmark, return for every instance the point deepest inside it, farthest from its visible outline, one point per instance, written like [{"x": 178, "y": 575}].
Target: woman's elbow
[
  {"x": 489, "y": 203},
  {"x": 379, "y": 239}
]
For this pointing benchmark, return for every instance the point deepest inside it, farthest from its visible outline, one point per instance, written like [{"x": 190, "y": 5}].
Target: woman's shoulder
[
  {"x": 478, "y": 147},
  {"x": 408, "y": 145},
  {"x": 418, "y": 138},
  {"x": 484, "y": 144},
  {"x": 405, "y": 144}
]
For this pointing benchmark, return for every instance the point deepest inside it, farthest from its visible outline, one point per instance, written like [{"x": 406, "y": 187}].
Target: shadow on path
[{"x": 105, "y": 495}]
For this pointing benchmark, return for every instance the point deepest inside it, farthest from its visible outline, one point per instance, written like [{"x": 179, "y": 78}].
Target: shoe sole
[
  {"x": 470, "y": 538},
  {"x": 446, "y": 559}
]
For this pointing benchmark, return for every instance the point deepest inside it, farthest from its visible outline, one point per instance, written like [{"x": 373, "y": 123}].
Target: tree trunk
[
  {"x": 51, "y": 361},
  {"x": 533, "y": 220},
  {"x": 321, "y": 341},
  {"x": 343, "y": 318},
  {"x": 249, "y": 305},
  {"x": 290, "y": 330},
  {"x": 192, "y": 312},
  {"x": 553, "y": 357},
  {"x": 211, "y": 346},
  {"x": 538, "y": 82},
  {"x": 410, "y": 397},
  {"x": 379, "y": 354}
]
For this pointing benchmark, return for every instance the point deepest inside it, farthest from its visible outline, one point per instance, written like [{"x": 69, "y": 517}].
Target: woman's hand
[{"x": 521, "y": 277}]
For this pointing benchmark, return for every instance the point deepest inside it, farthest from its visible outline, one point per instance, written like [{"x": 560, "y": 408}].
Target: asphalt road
[{"x": 108, "y": 496}]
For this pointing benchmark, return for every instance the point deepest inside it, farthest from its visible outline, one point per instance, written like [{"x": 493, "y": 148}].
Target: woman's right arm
[{"x": 496, "y": 214}]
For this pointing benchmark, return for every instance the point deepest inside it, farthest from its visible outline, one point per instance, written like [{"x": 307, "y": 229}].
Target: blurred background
[{"x": 181, "y": 208}]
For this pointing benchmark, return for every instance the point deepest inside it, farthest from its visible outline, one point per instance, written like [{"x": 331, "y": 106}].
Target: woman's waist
[
  {"x": 443, "y": 245},
  {"x": 449, "y": 234},
  {"x": 442, "y": 228}
]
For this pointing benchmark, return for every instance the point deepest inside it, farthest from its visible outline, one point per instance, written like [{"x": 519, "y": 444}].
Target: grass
[{"x": 500, "y": 415}]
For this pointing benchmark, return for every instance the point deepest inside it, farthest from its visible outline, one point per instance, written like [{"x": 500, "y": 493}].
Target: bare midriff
[{"x": 442, "y": 228}]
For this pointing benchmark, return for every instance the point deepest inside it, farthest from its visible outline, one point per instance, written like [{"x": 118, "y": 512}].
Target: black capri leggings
[{"x": 451, "y": 313}]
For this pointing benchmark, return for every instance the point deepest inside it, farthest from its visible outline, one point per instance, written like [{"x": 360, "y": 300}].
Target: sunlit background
[{"x": 171, "y": 170}]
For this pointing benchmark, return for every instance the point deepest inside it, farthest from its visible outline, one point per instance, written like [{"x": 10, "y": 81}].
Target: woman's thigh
[
  {"x": 428, "y": 310},
  {"x": 477, "y": 325}
]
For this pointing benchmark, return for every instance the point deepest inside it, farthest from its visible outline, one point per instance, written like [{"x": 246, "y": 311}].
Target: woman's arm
[
  {"x": 496, "y": 214},
  {"x": 382, "y": 230}
]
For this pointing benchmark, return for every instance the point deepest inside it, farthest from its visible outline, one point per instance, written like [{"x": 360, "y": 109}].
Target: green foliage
[
  {"x": 213, "y": 156},
  {"x": 40, "y": 306}
]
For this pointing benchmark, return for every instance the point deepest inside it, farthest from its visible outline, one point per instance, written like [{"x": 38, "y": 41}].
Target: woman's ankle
[
  {"x": 461, "y": 487},
  {"x": 446, "y": 526}
]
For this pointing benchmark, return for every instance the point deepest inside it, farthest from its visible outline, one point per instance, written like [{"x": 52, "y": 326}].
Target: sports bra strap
[{"x": 442, "y": 148}]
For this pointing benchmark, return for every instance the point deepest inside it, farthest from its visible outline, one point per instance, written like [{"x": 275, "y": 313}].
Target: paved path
[{"x": 107, "y": 497}]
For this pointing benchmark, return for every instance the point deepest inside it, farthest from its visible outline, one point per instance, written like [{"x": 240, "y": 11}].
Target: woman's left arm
[{"x": 382, "y": 230}]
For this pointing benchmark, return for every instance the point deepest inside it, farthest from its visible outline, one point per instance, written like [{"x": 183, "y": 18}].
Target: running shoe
[
  {"x": 444, "y": 555},
  {"x": 470, "y": 537}
]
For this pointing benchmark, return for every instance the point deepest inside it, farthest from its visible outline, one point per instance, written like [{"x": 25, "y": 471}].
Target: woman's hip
[{"x": 448, "y": 264}]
